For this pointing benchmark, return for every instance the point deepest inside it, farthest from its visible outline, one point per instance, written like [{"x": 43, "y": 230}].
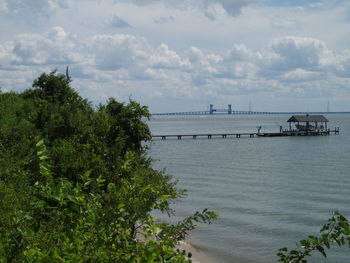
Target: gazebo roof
[{"x": 307, "y": 118}]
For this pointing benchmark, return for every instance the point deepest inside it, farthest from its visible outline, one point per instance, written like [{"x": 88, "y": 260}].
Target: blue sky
[{"x": 288, "y": 55}]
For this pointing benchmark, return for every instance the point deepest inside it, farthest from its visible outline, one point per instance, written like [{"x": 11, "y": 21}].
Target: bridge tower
[
  {"x": 211, "y": 109},
  {"x": 229, "y": 111}
]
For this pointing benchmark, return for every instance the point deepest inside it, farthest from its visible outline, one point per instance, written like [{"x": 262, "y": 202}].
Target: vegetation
[
  {"x": 76, "y": 184},
  {"x": 336, "y": 231}
]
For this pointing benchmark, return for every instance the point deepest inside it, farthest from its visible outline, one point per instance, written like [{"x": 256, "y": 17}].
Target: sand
[{"x": 197, "y": 256}]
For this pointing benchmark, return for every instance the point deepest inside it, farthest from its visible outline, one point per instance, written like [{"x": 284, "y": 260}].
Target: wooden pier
[
  {"x": 305, "y": 125},
  {"x": 249, "y": 135}
]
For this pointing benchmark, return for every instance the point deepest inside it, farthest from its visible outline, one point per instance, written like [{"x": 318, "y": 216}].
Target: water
[{"x": 269, "y": 192}]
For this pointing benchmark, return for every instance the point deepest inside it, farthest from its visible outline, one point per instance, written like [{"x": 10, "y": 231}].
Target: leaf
[
  {"x": 321, "y": 250},
  {"x": 325, "y": 228}
]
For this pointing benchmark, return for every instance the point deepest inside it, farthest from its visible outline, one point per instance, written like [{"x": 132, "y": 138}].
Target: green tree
[{"x": 76, "y": 184}]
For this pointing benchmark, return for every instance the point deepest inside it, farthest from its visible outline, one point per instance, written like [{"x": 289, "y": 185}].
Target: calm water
[{"x": 269, "y": 192}]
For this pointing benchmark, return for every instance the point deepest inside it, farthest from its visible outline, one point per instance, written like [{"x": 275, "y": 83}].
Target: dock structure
[
  {"x": 319, "y": 122},
  {"x": 248, "y": 134},
  {"x": 318, "y": 128}
]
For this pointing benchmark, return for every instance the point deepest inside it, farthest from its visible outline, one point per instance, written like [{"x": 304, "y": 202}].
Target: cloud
[
  {"x": 298, "y": 59},
  {"x": 6, "y": 55},
  {"x": 240, "y": 52},
  {"x": 163, "y": 57},
  {"x": 114, "y": 52},
  {"x": 317, "y": 4},
  {"x": 298, "y": 52},
  {"x": 210, "y": 15},
  {"x": 203, "y": 66},
  {"x": 285, "y": 23},
  {"x": 339, "y": 64},
  {"x": 117, "y": 22},
  {"x": 301, "y": 75},
  {"x": 163, "y": 20},
  {"x": 232, "y": 7},
  {"x": 122, "y": 64},
  {"x": 38, "y": 6},
  {"x": 3, "y": 7},
  {"x": 54, "y": 47},
  {"x": 179, "y": 49},
  {"x": 285, "y": 59}
]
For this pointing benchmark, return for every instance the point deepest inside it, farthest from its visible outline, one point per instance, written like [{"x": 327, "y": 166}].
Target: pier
[
  {"x": 305, "y": 125},
  {"x": 248, "y": 134}
]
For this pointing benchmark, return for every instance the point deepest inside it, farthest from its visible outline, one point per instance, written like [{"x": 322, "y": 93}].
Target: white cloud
[
  {"x": 163, "y": 57},
  {"x": 340, "y": 64},
  {"x": 114, "y": 52},
  {"x": 232, "y": 7},
  {"x": 301, "y": 58},
  {"x": 6, "y": 55},
  {"x": 240, "y": 52},
  {"x": 54, "y": 47},
  {"x": 122, "y": 64},
  {"x": 39, "y": 6},
  {"x": 301, "y": 75},
  {"x": 298, "y": 52}
]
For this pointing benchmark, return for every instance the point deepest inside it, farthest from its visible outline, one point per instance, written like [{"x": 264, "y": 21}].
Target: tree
[{"x": 76, "y": 184}]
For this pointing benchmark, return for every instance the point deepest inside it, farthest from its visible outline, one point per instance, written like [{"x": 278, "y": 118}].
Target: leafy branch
[
  {"x": 180, "y": 230},
  {"x": 337, "y": 230}
]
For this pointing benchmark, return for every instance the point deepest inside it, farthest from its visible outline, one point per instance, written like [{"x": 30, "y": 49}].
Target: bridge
[{"x": 213, "y": 111}]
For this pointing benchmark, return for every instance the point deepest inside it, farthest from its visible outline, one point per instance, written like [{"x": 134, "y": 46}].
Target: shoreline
[{"x": 197, "y": 255}]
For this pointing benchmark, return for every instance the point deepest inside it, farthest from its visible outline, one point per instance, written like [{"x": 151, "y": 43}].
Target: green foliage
[
  {"x": 336, "y": 231},
  {"x": 76, "y": 184},
  {"x": 53, "y": 88}
]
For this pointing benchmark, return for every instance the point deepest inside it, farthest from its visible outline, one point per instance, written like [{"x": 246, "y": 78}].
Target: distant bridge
[
  {"x": 229, "y": 110},
  {"x": 250, "y": 113}
]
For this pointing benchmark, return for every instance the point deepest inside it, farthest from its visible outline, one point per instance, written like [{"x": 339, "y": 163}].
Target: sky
[{"x": 276, "y": 55}]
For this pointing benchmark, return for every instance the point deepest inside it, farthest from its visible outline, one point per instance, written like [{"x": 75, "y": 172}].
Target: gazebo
[{"x": 319, "y": 122}]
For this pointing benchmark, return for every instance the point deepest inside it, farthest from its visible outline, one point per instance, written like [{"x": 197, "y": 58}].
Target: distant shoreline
[{"x": 186, "y": 113}]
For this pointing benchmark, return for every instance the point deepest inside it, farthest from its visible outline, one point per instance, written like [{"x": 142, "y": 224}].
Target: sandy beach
[{"x": 197, "y": 255}]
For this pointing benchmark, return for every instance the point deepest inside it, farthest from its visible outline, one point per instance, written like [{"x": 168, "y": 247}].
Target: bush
[{"x": 76, "y": 184}]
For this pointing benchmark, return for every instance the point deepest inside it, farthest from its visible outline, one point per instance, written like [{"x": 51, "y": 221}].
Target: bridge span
[
  {"x": 213, "y": 111},
  {"x": 246, "y": 113}
]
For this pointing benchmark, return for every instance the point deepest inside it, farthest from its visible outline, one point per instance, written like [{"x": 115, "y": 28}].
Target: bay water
[{"x": 270, "y": 192}]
